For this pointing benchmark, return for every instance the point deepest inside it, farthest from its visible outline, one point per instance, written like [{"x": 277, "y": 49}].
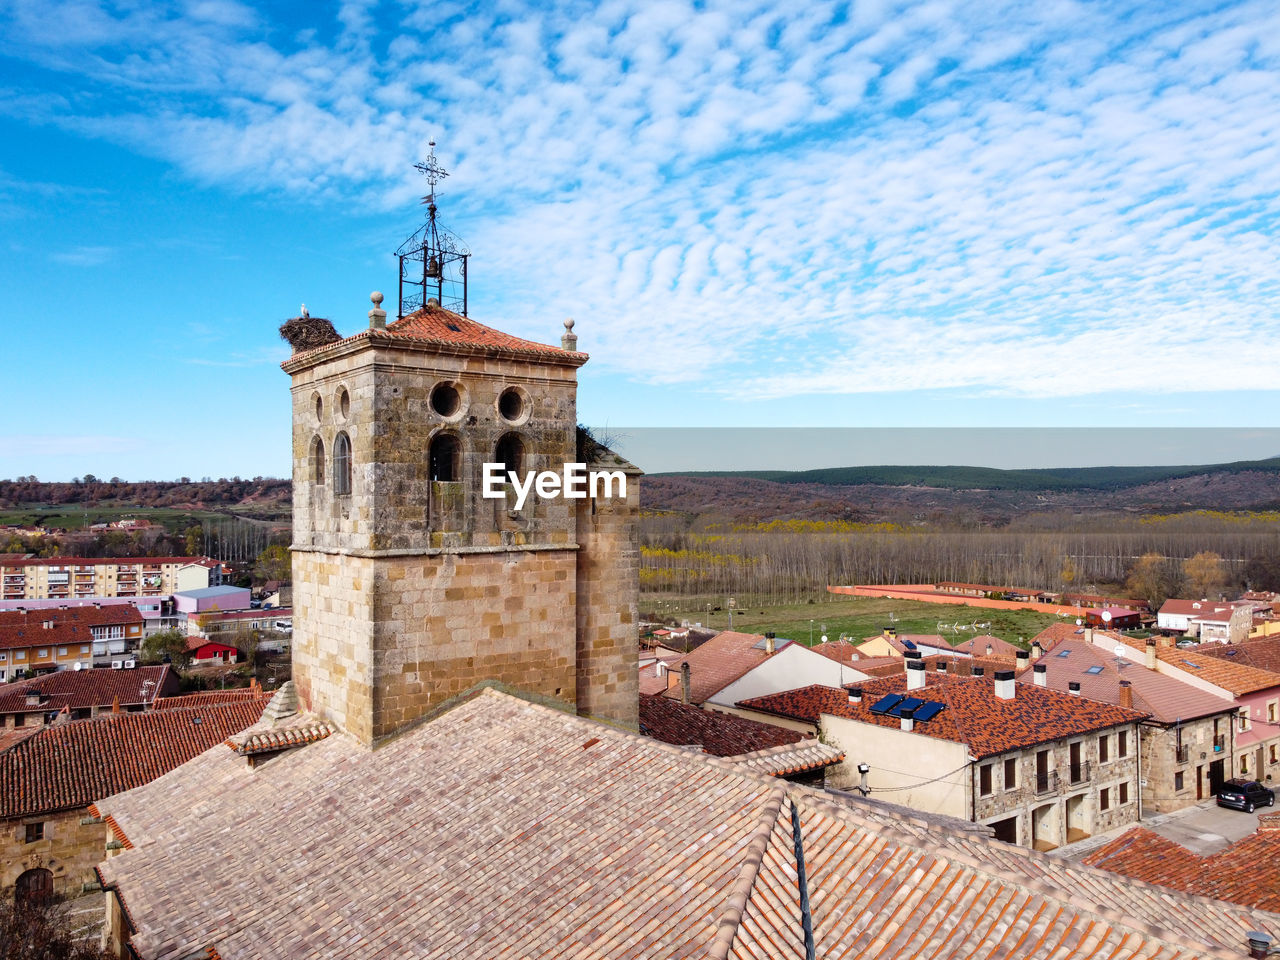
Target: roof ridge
[{"x": 740, "y": 893}]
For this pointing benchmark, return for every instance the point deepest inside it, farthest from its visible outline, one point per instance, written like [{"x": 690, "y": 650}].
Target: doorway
[
  {"x": 34, "y": 888},
  {"x": 1217, "y": 777}
]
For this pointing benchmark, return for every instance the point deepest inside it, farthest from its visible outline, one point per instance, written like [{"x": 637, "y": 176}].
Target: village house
[
  {"x": 1186, "y": 742},
  {"x": 50, "y": 840},
  {"x": 1209, "y": 620},
  {"x": 890, "y": 643},
  {"x": 42, "y": 641},
  {"x": 1252, "y": 750},
  {"x": 1041, "y": 768},
  {"x": 79, "y": 694}
]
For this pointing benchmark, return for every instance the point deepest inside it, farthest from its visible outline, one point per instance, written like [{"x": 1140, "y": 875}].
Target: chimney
[
  {"x": 990, "y": 650},
  {"x": 942, "y": 666},
  {"x": 978, "y": 671},
  {"x": 377, "y": 316},
  {"x": 1088, "y": 634},
  {"x": 1037, "y": 651},
  {"x": 1259, "y": 944},
  {"x": 686, "y": 683},
  {"x": 855, "y": 694},
  {"x": 915, "y": 673},
  {"x": 1073, "y": 687},
  {"x": 769, "y": 645},
  {"x": 1004, "y": 684},
  {"x": 884, "y": 631},
  {"x": 1126, "y": 694},
  {"x": 1151, "y": 653},
  {"x": 907, "y": 716},
  {"x": 1040, "y": 673},
  {"x": 1021, "y": 659}
]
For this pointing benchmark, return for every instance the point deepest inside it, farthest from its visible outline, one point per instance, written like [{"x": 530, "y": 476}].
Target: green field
[
  {"x": 72, "y": 517},
  {"x": 855, "y": 617}
]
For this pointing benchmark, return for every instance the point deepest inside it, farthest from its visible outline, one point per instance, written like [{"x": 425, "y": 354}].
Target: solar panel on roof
[
  {"x": 907, "y": 703},
  {"x": 886, "y": 703},
  {"x": 928, "y": 710}
]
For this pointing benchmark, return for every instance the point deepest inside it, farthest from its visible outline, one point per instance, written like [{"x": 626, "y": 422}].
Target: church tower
[{"x": 411, "y": 585}]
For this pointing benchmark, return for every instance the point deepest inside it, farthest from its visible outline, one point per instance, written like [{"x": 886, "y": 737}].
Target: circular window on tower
[
  {"x": 344, "y": 403},
  {"x": 448, "y": 400},
  {"x": 513, "y": 405}
]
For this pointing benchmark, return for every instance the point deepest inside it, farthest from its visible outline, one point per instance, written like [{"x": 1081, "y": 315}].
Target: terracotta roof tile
[
  {"x": 720, "y": 734},
  {"x": 1236, "y": 678},
  {"x": 789, "y": 758},
  {"x": 73, "y": 764},
  {"x": 1247, "y": 872},
  {"x": 83, "y": 689},
  {"x": 973, "y": 714},
  {"x": 527, "y": 832},
  {"x": 1262, "y": 653},
  {"x": 718, "y": 662},
  {"x": 25, "y": 628}
]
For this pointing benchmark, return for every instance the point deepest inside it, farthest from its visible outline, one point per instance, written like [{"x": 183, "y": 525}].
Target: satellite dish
[
  {"x": 1106, "y": 616},
  {"x": 1079, "y": 622},
  {"x": 824, "y": 638},
  {"x": 1119, "y": 650}
]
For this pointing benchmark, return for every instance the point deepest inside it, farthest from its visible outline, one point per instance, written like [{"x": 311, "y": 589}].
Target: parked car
[{"x": 1245, "y": 795}]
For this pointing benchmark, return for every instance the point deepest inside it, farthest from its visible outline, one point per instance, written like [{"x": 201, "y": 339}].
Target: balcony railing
[
  {"x": 1079, "y": 772},
  {"x": 1046, "y": 782},
  {"x": 1182, "y": 754}
]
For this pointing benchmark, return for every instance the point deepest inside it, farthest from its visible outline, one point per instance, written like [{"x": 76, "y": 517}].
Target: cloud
[{"x": 1015, "y": 199}]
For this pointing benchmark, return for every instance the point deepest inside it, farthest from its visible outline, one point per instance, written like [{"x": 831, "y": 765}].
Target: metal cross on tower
[{"x": 433, "y": 262}]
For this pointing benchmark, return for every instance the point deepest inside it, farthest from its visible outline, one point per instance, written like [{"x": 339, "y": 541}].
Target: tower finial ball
[
  {"x": 376, "y": 298},
  {"x": 568, "y": 324}
]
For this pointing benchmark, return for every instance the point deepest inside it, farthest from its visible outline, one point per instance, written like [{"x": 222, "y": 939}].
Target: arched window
[
  {"x": 34, "y": 888},
  {"x": 510, "y": 453},
  {"x": 444, "y": 458},
  {"x": 317, "y": 460},
  {"x": 341, "y": 464}
]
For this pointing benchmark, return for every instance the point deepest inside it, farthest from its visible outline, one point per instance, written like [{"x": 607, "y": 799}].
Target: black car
[{"x": 1245, "y": 795}]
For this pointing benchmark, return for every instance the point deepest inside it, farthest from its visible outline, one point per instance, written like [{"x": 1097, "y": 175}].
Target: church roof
[
  {"x": 437, "y": 326},
  {"x": 505, "y": 828}
]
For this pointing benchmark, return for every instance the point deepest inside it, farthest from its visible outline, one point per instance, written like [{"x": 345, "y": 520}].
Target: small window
[
  {"x": 445, "y": 399},
  {"x": 62, "y": 651},
  {"x": 1095, "y": 669},
  {"x": 1104, "y": 799},
  {"x": 344, "y": 403},
  {"x": 20, "y": 655},
  {"x": 1010, "y": 774},
  {"x": 1104, "y": 748},
  {"x": 984, "y": 779},
  {"x": 1178, "y": 782},
  {"x": 319, "y": 407},
  {"x": 317, "y": 461},
  {"x": 1272, "y": 758},
  {"x": 341, "y": 464},
  {"x": 1122, "y": 743},
  {"x": 1124, "y": 793},
  {"x": 84, "y": 648},
  {"x": 1272, "y": 711},
  {"x": 42, "y": 653},
  {"x": 511, "y": 405},
  {"x": 444, "y": 458},
  {"x": 1244, "y": 763},
  {"x": 510, "y": 453},
  {"x": 34, "y": 832},
  {"x": 1244, "y": 719}
]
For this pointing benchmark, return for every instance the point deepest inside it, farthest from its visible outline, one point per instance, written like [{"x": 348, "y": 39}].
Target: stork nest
[{"x": 307, "y": 333}]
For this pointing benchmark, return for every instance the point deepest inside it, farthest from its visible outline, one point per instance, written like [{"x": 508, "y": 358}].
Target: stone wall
[
  {"x": 1162, "y": 762},
  {"x": 71, "y": 848},
  {"x": 608, "y": 571}
]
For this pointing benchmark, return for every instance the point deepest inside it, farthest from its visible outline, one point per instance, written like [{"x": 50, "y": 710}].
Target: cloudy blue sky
[{"x": 819, "y": 214}]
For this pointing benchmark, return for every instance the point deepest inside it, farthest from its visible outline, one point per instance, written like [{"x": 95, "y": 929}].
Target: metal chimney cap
[
  {"x": 1003, "y": 675},
  {"x": 1040, "y": 668}
]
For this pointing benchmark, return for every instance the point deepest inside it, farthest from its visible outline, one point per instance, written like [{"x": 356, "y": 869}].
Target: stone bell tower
[{"x": 410, "y": 585}]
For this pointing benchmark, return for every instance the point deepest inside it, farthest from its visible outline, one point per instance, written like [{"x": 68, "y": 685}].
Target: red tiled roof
[
  {"x": 1247, "y": 872},
  {"x": 718, "y": 662},
  {"x": 209, "y": 698},
  {"x": 961, "y": 666},
  {"x": 74, "y": 764},
  {"x": 1166, "y": 698},
  {"x": 82, "y": 689},
  {"x": 25, "y": 628},
  {"x": 720, "y": 734},
  {"x": 973, "y": 715},
  {"x": 259, "y": 614},
  {"x": 437, "y": 325},
  {"x": 1235, "y": 678},
  {"x": 1263, "y": 653}
]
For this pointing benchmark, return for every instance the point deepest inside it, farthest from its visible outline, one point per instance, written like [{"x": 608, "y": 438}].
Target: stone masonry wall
[
  {"x": 447, "y": 622},
  {"x": 71, "y": 848},
  {"x": 608, "y": 605}
]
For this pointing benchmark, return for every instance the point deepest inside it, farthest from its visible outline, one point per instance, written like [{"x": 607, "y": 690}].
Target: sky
[{"x": 937, "y": 214}]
